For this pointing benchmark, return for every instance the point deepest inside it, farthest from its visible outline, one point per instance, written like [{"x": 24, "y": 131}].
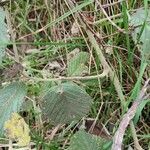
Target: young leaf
[
  {"x": 11, "y": 99},
  {"x": 85, "y": 141},
  {"x": 65, "y": 103},
  {"x": 76, "y": 65},
  {"x": 4, "y": 37}
]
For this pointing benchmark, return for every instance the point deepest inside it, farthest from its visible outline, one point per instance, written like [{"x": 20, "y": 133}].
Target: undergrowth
[{"x": 72, "y": 70}]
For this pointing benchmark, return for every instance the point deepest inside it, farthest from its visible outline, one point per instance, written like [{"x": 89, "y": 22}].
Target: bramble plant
[{"x": 71, "y": 75}]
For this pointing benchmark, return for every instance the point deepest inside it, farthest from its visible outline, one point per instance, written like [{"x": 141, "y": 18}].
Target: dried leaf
[
  {"x": 12, "y": 71},
  {"x": 17, "y": 129},
  {"x": 97, "y": 129},
  {"x": 75, "y": 29}
]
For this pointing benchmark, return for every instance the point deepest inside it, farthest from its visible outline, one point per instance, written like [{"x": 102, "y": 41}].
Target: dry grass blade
[
  {"x": 118, "y": 137},
  {"x": 136, "y": 142},
  {"x": 104, "y": 12}
]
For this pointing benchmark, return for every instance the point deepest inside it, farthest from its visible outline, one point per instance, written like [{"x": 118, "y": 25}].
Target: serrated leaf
[
  {"x": 11, "y": 99},
  {"x": 45, "y": 88},
  {"x": 4, "y": 37},
  {"x": 137, "y": 20},
  {"x": 85, "y": 141},
  {"x": 76, "y": 65},
  {"x": 65, "y": 103}
]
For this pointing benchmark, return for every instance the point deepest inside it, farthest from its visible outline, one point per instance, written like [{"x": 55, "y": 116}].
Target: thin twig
[
  {"x": 104, "y": 12},
  {"x": 118, "y": 137},
  {"x": 112, "y": 3},
  {"x": 104, "y": 63},
  {"x": 136, "y": 142},
  {"x": 105, "y": 72},
  {"x": 106, "y": 19}
]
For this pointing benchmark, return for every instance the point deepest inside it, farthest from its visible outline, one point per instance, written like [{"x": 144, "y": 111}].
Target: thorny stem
[
  {"x": 102, "y": 59},
  {"x": 105, "y": 72}
]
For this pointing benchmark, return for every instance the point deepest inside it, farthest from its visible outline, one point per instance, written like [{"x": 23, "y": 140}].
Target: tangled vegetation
[{"x": 74, "y": 74}]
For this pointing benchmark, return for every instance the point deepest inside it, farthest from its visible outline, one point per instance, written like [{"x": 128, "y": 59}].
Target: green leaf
[
  {"x": 85, "y": 141},
  {"x": 138, "y": 18},
  {"x": 76, "y": 65},
  {"x": 4, "y": 37},
  {"x": 139, "y": 110},
  {"x": 65, "y": 103},
  {"x": 45, "y": 86},
  {"x": 140, "y": 21},
  {"x": 26, "y": 106},
  {"x": 11, "y": 99},
  {"x": 141, "y": 25}
]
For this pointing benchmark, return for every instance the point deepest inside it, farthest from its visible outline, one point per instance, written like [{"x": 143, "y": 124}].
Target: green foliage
[
  {"x": 65, "y": 103},
  {"x": 11, "y": 99},
  {"x": 85, "y": 141},
  {"x": 45, "y": 88},
  {"x": 76, "y": 65},
  {"x": 44, "y": 35},
  {"x": 4, "y": 37},
  {"x": 140, "y": 108},
  {"x": 141, "y": 32},
  {"x": 141, "y": 36},
  {"x": 138, "y": 18}
]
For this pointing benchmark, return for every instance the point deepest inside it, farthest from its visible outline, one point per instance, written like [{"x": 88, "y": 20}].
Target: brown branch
[{"x": 118, "y": 137}]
